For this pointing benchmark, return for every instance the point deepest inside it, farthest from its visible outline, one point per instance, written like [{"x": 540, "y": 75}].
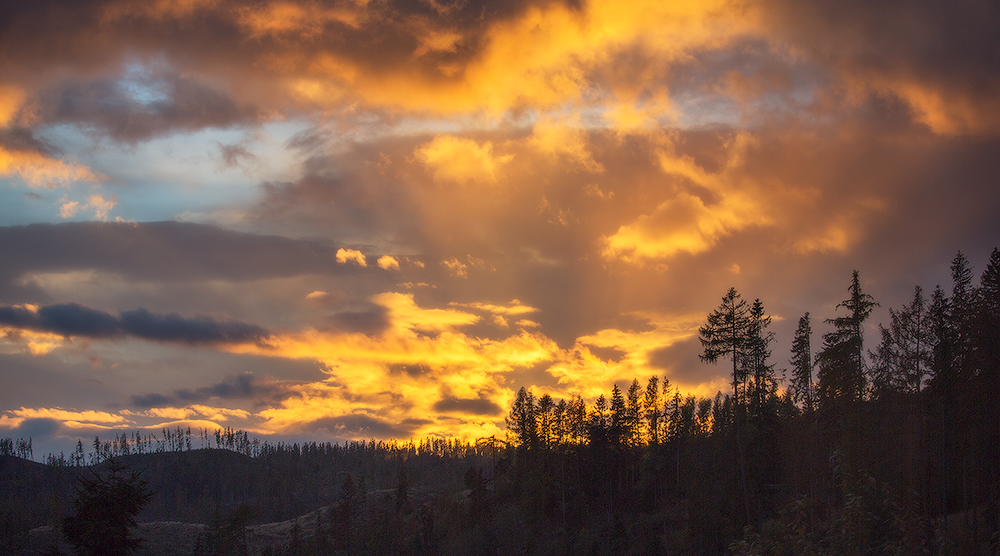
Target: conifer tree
[
  {"x": 841, "y": 374},
  {"x": 653, "y": 414},
  {"x": 756, "y": 354},
  {"x": 802, "y": 364},
  {"x": 104, "y": 512},
  {"x": 725, "y": 335}
]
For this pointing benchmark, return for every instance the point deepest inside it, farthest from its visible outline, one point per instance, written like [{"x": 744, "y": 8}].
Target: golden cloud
[
  {"x": 11, "y": 98},
  {"x": 565, "y": 140},
  {"x": 345, "y": 255},
  {"x": 687, "y": 222},
  {"x": 461, "y": 161},
  {"x": 69, "y": 417},
  {"x": 38, "y": 170},
  {"x": 386, "y": 262}
]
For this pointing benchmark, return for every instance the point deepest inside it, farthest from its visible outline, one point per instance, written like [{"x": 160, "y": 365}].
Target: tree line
[{"x": 854, "y": 449}]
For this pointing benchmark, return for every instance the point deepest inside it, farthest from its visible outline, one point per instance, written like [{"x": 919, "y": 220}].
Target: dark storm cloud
[
  {"x": 74, "y": 320},
  {"x": 473, "y": 406},
  {"x": 160, "y": 251},
  {"x": 241, "y": 387}
]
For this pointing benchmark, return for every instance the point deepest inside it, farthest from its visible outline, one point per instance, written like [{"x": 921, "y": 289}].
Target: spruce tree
[{"x": 802, "y": 364}]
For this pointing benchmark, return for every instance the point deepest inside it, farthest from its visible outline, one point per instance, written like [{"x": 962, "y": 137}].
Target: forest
[{"x": 889, "y": 448}]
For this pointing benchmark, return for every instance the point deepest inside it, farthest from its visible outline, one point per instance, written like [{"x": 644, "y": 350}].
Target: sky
[{"x": 378, "y": 219}]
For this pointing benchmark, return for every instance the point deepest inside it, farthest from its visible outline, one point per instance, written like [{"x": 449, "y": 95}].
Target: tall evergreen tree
[
  {"x": 522, "y": 421},
  {"x": 841, "y": 374},
  {"x": 802, "y": 364},
  {"x": 104, "y": 512},
  {"x": 911, "y": 335},
  {"x": 725, "y": 335},
  {"x": 653, "y": 413},
  {"x": 756, "y": 354}
]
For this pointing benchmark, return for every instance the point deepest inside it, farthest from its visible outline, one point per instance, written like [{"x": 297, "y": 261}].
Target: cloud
[
  {"x": 476, "y": 406},
  {"x": 141, "y": 105},
  {"x": 564, "y": 140},
  {"x": 74, "y": 320},
  {"x": 461, "y": 161},
  {"x": 195, "y": 330},
  {"x": 243, "y": 386},
  {"x": 345, "y": 255},
  {"x": 96, "y": 203},
  {"x": 936, "y": 59},
  {"x": 386, "y": 262},
  {"x": 514, "y": 309},
  {"x": 160, "y": 251},
  {"x": 36, "y": 169}
]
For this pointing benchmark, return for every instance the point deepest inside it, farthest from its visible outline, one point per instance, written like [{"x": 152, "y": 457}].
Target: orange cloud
[
  {"x": 345, "y": 255},
  {"x": 96, "y": 203},
  {"x": 461, "y": 161},
  {"x": 69, "y": 417},
  {"x": 687, "y": 222},
  {"x": 564, "y": 140},
  {"x": 386, "y": 262},
  {"x": 11, "y": 98},
  {"x": 514, "y": 309},
  {"x": 295, "y": 20},
  {"x": 38, "y": 170}
]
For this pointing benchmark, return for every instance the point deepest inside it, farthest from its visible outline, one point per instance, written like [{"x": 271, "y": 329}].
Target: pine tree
[
  {"x": 758, "y": 350},
  {"x": 104, "y": 512},
  {"x": 841, "y": 374},
  {"x": 653, "y": 414},
  {"x": 802, "y": 365},
  {"x": 724, "y": 335},
  {"x": 522, "y": 422}
]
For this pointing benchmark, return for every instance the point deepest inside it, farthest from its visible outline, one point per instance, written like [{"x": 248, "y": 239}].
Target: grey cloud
[
  {"x": 475, "y": 406},
  {"x": 197, "y": 330},
  {"x": 236, "y": 155},
  {"x": 23, "y": 139},
  {"x": 68, "y": 319},
  {"x": 411, "y": 369},
  {"x": 160, "y": 251},
  {"x": 359, "y": 425},
  {"x": 72, "y": 319},
  {"x": 243, "y": 386},
  {"x": 948, "y": 46},
  {"x": 152, "y": 400},
  {"x": 372, "y": 321},
  {"x": 108, "y": 106},
  {"x": 681, "y": 363}
]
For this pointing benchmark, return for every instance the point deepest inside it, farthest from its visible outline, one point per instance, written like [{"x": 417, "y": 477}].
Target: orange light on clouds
[{"x": 38, "y": 170}]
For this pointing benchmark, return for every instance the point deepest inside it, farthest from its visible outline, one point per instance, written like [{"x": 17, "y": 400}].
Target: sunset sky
[{"x": 379, "y": 219}]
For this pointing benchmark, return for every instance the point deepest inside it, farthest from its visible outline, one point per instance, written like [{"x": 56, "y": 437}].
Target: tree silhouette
[
  {"x": 104, "y": 512},
  {"x": 802, "y": 364},
  {"x": 841, "y": 373},
  {"x": 724, "y": 335}
]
